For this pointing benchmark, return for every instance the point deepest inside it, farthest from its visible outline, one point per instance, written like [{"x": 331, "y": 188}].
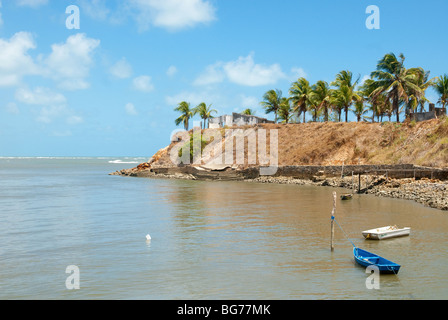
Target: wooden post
[
  {"x": 359, "y": 183},
  {"x": 332, "y": 220},
  {"x": 353, "y": 184}
]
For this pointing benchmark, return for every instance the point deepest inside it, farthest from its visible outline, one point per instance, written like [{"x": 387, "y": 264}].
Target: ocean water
[{"x": 209, "y": 240}]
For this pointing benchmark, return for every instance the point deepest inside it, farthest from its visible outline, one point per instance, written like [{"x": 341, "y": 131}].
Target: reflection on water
[{"x": 210, "y": 240}]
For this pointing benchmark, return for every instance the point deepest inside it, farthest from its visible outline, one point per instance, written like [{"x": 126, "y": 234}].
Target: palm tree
[
  {"x": 417, "y": 98},
  {"x": 378, "y": 104},
  {"x": 285, "y": 112},
  {"x": 321, "y": 96},
  {"x": 395, "y": 81},
  {"x": 342, "y": 100},
  {"x": 313, "y": 107},
  {"x": 248, "y": 112},
  {"x": 344, "y": 83},
  {"x": 271, "y": 102},
  {"x": 441, "y": 87},
  {"x": 359, "y": 110},
  {"x": 186, "y": 114},
  {"x": 300, "y": 93},
  {"x": 204, "y": 112}
]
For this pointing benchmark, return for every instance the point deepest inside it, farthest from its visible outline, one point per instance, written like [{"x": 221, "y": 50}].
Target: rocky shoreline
[{"x": 428, "y": 192}]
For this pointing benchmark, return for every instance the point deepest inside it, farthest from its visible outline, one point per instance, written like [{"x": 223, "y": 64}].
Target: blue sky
[{"x": 110, "y": 87}]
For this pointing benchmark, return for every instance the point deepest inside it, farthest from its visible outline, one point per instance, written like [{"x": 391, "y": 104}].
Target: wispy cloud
[
  {"x": 122, "y": 69},
  {"x": 130, "y": 109},
  {"x": 143, "y": 84},
  {"x": 51, "y": 104},
  {"x": 172, "y": 70},
  {"x": 31, "y": 3}
]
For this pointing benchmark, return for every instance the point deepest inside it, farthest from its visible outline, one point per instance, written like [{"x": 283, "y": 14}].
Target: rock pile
[{"x": 429, "y": 192}]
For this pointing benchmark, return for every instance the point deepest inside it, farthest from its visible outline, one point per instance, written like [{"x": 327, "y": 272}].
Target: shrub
[{"x": 194, "y": 149}]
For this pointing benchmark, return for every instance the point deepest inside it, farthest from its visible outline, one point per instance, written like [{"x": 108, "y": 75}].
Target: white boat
[{"x": 386, "y": 232}]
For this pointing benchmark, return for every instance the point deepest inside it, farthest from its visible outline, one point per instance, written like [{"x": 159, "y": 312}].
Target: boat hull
[
  {"x": 386, "y": 233},
  {"x": 367, "y": 259}
]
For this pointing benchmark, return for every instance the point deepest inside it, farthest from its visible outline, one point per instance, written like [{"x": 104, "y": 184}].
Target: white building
[{"x": 235, "y": 119}]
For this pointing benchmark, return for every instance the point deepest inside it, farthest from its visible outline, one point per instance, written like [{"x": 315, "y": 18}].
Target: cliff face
[{"x": 325, "y": 144}]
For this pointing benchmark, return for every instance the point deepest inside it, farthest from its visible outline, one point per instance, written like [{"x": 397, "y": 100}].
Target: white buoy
[{"x": 148, "y": 237}]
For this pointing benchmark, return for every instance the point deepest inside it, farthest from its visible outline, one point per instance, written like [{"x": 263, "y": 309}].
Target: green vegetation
[
  {"x": 441, "y": 87},
  {"x": 196, "y": 149},
  {"x": 271, "y": 102},
  {"x": 204, "y": 112},
  {"x": 186, "y": 114},
  {"x": 248, "y": 112}
]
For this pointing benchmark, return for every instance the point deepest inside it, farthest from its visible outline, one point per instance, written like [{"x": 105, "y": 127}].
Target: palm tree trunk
[
  {"x": 346, "y": 113},
  {"x": 396, "y": 107}
]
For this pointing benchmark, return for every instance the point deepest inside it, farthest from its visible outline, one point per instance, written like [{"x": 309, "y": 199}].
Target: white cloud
[
  {"x": 243, "y": 71},
  {"x": 69, "y": 63},
  {"x": 39, "y": 96},
  {"x": 130, "y": 109},
  {"x": 172, "y": 70},
  {"x": 52, "y": 105},
  {"x": 15, "y": 62},
  {"x": 172, "y": 14},
  {"x": 143, "y": 83},
  {"x": 49, "y": 113},
  {"x": 122, "y": 69},
  {"x": 31, "y": 3},
  {"x": 246, "y": 72},
  {"x": 212, "y": 74}
]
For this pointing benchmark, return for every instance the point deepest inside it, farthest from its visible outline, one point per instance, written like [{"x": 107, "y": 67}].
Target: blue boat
[{"x": 366, "y": 259}]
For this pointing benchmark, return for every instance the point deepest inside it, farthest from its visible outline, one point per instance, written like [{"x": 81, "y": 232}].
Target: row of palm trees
[{"x": 390, "y": 89}]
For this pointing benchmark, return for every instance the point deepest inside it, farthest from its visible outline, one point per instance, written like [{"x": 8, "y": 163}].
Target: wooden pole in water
[
  {"x": 353, "y": 184},
  {"x": 332, "y": 220},
  {"x": 359, "y": 183}
]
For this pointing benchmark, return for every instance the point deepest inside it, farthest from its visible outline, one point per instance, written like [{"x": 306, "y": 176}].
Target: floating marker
[{"x": 148, "y": 237}]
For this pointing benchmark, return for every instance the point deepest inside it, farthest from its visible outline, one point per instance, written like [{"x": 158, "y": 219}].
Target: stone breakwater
[{"x": 427, "y": 191}]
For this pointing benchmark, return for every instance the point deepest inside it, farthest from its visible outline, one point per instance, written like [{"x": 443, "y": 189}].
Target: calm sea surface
[{"x": 210, "y": 240}]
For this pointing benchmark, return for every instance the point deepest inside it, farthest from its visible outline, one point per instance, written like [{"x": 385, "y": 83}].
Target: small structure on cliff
[
  {"x": 236, "y": 119},
  {"x": 433, "y": 113}
]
